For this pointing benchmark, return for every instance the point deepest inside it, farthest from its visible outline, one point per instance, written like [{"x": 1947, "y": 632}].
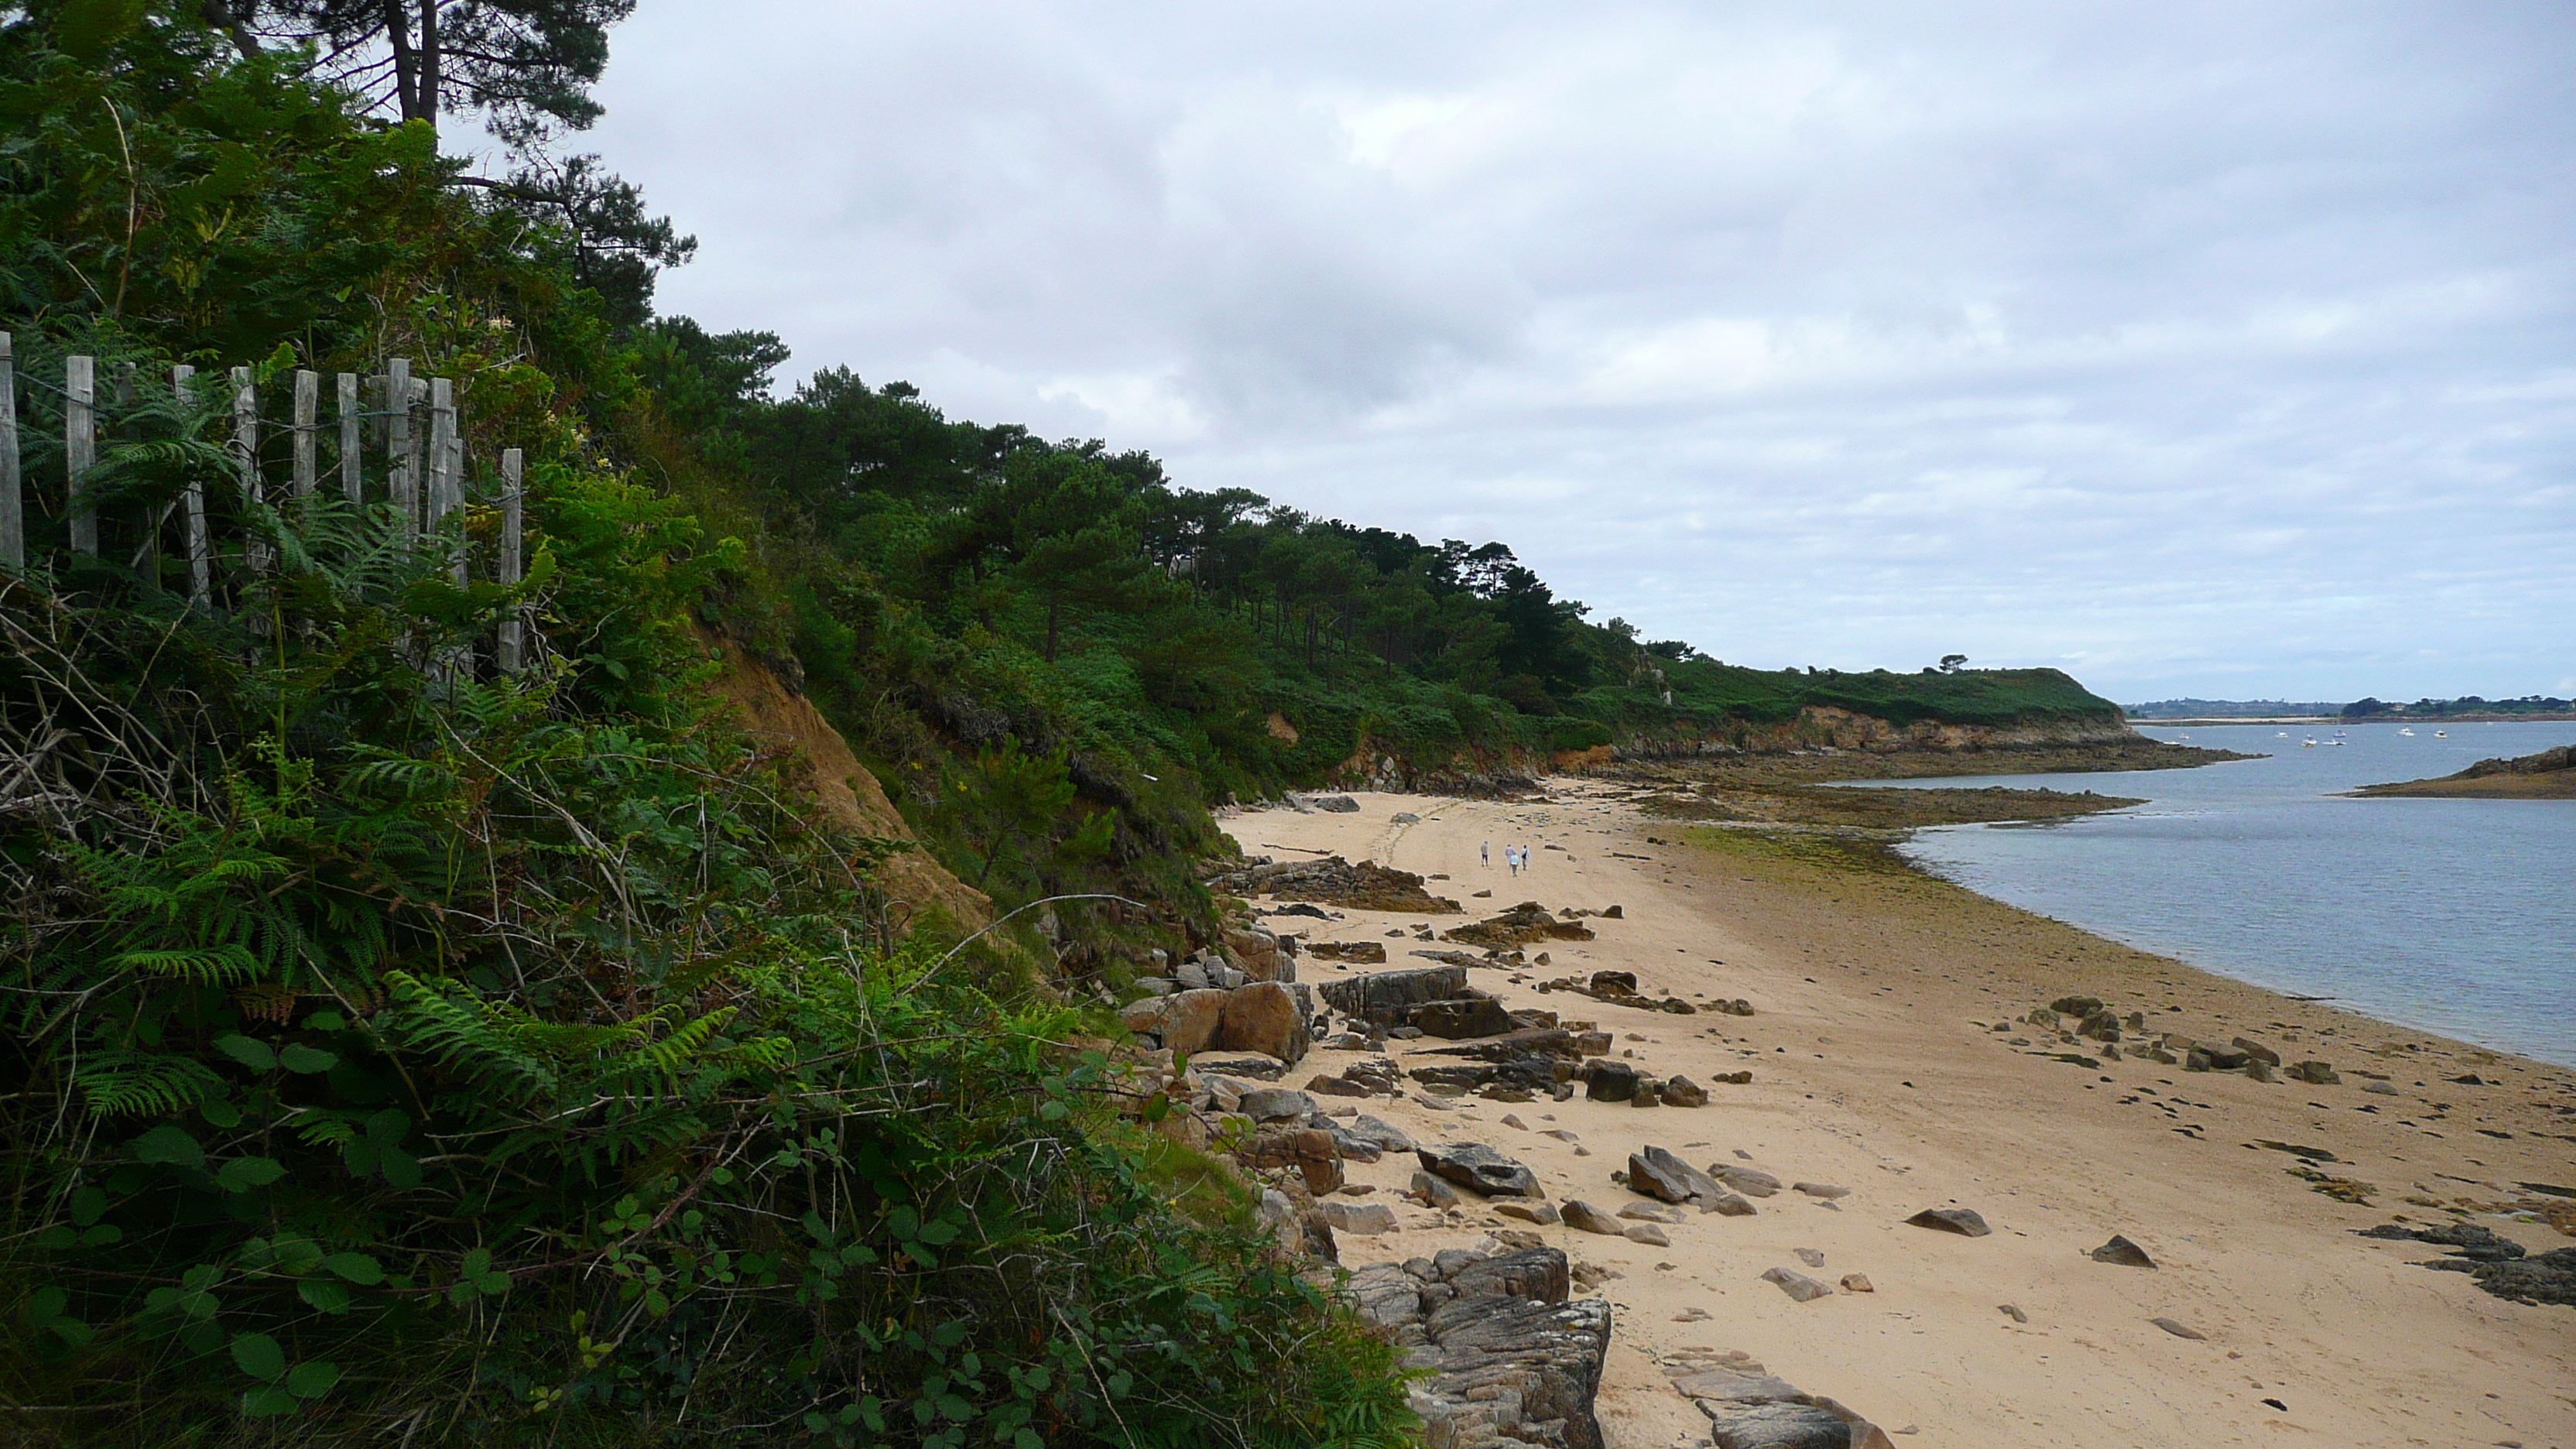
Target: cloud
[{"x": 2201, "y": 348}]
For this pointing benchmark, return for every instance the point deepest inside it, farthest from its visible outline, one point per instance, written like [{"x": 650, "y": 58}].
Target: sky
[{"x": 2197, "y": 349}]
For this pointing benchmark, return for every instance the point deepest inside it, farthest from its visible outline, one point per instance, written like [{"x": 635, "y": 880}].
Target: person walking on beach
[{"x": 1485, "y": 853}]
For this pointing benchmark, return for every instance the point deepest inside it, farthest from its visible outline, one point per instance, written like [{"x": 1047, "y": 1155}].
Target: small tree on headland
[{"x": 1953, "y": 663}]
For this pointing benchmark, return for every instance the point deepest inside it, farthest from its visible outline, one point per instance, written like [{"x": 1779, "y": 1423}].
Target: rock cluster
[
  {"x": 1748, "y": 1408},
  {"x": 1366, "y": 953},
  {"x": 1657, "y": 1173},
  {"x": 1366, "y": 886},
  {"x": 1529, "y": 921},
  {"x": 1619, "y": 988},
  {"x": 2500, "y": 1265},
  {"x": 1510, "y": 1360},
  {"x": 1269, "y": 1017}
]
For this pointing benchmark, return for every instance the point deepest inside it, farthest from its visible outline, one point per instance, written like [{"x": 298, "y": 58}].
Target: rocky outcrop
[
  {"x": 1522, "y": 924},
  {"x": 1510, "y": 1361},
  {"x": 1366, "y": 886},
  {"x": 1749, "y": 1408}
]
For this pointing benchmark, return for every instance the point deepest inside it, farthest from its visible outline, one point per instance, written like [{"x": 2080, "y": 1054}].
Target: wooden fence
[{"x": 424, "y": 473}]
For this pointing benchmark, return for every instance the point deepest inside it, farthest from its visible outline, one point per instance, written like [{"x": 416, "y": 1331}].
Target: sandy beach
[{"x": 1876, "y": 1067}]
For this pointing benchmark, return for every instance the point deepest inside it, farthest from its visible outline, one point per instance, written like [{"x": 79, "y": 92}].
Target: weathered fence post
[
  {"x": 201, "y": 581},
  {"x": 351, "y": 487},
  {"x": 246, "y": 452},
  {"x": 398, "y": 451},
  {"x": 80, "y": 446},
  {"x": 513, "y": 633},
  {"x": 308, "y": 404},
  {"x": 446, "y": 464},
  {"x": 13, "y": 503}
]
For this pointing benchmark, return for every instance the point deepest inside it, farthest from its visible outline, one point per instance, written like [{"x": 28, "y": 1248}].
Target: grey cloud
[{"x": 2198, "y": 348}]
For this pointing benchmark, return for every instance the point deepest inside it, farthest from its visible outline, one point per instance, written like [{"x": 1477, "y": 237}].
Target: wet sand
[{"x": 1874, "y": 1068}]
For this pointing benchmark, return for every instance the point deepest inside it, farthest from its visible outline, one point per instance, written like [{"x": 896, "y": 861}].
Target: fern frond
[
  {"x": 122, "y": 1083},
  {"x": 457, "y": 1033},
  {"x": 208, "y": 964}
]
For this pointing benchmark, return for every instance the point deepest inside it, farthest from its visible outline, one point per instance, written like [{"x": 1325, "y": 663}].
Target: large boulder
[
  {"x": 1186, "y": 1021},
  {"x": 1387, "y": 998},
  {"x": 1262, "y": 1017},
  {"x": 1480, "y": 1169},
  {"x": 1259, "y": 954}
]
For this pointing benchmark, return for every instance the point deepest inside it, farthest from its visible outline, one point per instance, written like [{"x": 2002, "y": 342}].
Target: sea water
[{"x": 2454, "y": 916}]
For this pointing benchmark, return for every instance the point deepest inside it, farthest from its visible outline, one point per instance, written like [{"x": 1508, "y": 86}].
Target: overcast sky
[{"x": 2216, "y": 349}]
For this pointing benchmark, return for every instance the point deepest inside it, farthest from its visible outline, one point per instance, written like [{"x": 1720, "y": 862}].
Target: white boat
[
  {"x": 2407, "y": 732},
  {"x": 2283, "y": 735},
  {"x": 2309, "y": 743},
  {"x": 2441, "y": 734}
]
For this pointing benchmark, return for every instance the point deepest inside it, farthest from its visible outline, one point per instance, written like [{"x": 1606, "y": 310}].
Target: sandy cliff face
[{"x": 840, "y": 789}]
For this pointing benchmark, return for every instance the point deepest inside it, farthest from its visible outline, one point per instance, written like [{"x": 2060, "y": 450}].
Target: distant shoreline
[{"x": 2346, "y": 721}]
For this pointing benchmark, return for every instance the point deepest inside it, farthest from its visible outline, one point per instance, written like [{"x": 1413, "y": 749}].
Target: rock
[
  {"x": 1277, "y": 1104},
  {"x": 2041, "y": 1016},
  {"x": 1649, "y": 1234},
  {"x": 1384, "y": 1133},
  {"x": 1820, "y": 1189},
  {"x": 1590, "y": 1219},
  {"x": 1683, "y": 1092},
  {"x": 1279, "y": 1215},
  {"x": 1262, "y": 1017},
  {"x": 2315, "y": 1074},
  {"x": 2100, "y": 1026},
  {"x": 1963, "y": 1221},
  {"x": 1610, "y": 1081},
  {"x": 1387, "y": 998},
  {"x": 1746, "y": 1180},
  {"x": 1657, "y": 1173},
  {"x": 1187, "y": 1021},
  {"x": 1857, "y": 1283},
  {"x": 1480, "y": 1169},
  {"x": 1353, "y": 1147},
  {"x": 1466, "y": 1017},
  {"x": 1812, "y": 1257},
  {"x": 2380, "y": 1089},
  {"x": 2258, "y": 1071},
  {"x": 1727, "y": 1205},
  {"x": 1404, "y": 817},
  {"x": 1646, "y": 1212},
  {"x": 2178, "y": 1330},
  {"x": 1797, "y": 1285},
  {"x": 1385, "y": 1294},
  {"x": 1338, "y": 1087},
  {"x": 1750, "y": 1409},
  {"x": 2013, "y": 1312},
  {"x": 2076, "y": 1006},
  {"x": 1514, "y": 1371},
  {"x": 1432, "y": 1192},
  {"x": 1353, "y": 1217},
  {"x": 1649, "y": 1093},
  {"x": 1311, "y": 1151},
  {"x": 2257, "y": 1051},
  {"x": 1333, "y": 804},
  {"x": 2123, "y": 1252},
  {"x": 1366, "y": 953},
  {"x": 1529, "y": 1212}
]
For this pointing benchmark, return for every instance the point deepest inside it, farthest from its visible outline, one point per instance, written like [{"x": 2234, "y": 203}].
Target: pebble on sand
[{"x": 2179, "y": 1330}]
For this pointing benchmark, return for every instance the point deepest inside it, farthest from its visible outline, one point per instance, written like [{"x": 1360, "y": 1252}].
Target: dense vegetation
[
  {"x": 400, "y": 1051},
  {"x": 2467, "y": 706}
]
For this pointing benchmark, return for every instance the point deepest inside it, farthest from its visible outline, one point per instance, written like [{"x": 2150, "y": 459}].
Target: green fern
[
  {"x": 456, "y": 1032},
  {"x": 118, "y": 1082}
]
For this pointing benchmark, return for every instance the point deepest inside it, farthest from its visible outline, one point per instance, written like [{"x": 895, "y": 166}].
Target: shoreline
[{"x": 1875, "y": 1067}]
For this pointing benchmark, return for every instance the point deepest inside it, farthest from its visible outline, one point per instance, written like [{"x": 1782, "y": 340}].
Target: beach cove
[{"x": 1876, "y": 1066}]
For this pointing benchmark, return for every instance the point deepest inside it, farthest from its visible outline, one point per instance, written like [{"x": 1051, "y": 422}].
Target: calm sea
[{"x": 2456, "y": 916}]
